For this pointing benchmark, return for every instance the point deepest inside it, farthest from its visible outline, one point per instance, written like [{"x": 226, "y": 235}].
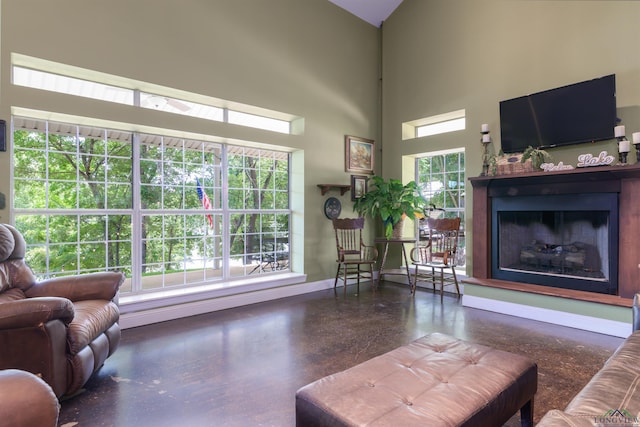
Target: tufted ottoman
[{"x": 436, "y": 380}]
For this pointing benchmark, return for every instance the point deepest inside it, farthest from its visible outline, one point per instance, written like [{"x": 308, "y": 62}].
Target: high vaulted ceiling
[{"x": 372, "y": 11}]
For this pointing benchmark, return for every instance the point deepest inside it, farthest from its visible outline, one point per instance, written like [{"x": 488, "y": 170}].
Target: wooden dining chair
[
  {"x": 438, "y": 254},
  {"x": 355, "y": 259}
]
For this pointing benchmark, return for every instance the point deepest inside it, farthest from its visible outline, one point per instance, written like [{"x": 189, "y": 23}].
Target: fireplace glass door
[{"x": 561, "y": 241}]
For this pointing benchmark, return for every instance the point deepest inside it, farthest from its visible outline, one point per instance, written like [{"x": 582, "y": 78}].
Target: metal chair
[
  {"x": 439, "y": 253},
  {"x": 355, "y": 259},
  {"x": 273, "y": 255}
]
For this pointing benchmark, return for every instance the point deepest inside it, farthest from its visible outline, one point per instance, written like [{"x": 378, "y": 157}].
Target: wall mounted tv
[{"x": 573, "y": 114}]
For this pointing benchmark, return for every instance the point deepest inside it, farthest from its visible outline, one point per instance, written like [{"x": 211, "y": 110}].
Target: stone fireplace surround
[{"x": 624, "y": 180}]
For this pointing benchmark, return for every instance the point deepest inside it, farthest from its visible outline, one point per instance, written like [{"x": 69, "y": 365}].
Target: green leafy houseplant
[
  {"x": 390, "y": 201},
  {"x": 537, "y": 156}
]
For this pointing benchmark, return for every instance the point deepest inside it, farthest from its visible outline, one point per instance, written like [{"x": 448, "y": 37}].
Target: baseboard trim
[
  {"x": 577, "y": 321},
  {"x": 131, "y": 318}
]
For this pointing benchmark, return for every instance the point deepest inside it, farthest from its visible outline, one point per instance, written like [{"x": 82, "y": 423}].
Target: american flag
[{"x": 206, "y": 203}]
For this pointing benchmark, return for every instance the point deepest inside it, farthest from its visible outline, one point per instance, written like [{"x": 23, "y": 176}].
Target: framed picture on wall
[
  {"x": 359, "y": 156},
  {"x": 358, "y": 186}
]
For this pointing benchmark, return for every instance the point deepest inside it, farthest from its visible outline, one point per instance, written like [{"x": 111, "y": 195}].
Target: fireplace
[
  {"x": 579, "y": 228},
  {"x": 565, "y": 241}
]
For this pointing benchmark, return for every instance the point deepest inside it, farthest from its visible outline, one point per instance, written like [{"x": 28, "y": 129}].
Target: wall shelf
[{"x": 324, "y": 188}]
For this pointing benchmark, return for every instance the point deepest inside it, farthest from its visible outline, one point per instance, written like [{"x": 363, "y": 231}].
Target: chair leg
[
  {"x": 433, "y": 278},
  {"x": 335, "y": 283},
  {"x": 455, "y": 280},
  {"x": 345, "y": 279},
  {"x": 441, "y": 284},
  {"x": 414, "y": 285}
]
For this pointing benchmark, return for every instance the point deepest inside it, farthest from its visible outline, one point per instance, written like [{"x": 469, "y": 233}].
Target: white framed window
[
  {"x": 71, "y": 86},
  {"x": 441, "y": 179},
  {"x": 260, "y": 122},
  {"x": 155, "y": 207},
  {"x": 181, "y": 106},
  {"x": 55, "y": 77},
  {"x": 440, "y": 127},
  {"x": 434, "y": 125}
]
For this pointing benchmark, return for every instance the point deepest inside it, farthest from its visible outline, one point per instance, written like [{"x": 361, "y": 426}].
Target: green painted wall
[
  {"x": 441, "y": 56},
  {"x": 307, "y": 58},
  {"x": 313, "y": 59}
]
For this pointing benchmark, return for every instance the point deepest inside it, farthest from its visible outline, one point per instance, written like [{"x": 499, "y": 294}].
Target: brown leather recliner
[{"x": 61, "y": 329}]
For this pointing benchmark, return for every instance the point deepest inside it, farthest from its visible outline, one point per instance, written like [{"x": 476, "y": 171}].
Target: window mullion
[
  {"x": 136, "y": 216},
  {"x": 226, "y": 216}
]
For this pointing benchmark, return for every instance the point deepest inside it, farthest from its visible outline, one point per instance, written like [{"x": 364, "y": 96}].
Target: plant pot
[{"x": 397, "y": 230}]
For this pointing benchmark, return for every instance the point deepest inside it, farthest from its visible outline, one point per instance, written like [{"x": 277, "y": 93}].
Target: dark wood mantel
[{"x": 624, "y": 180}]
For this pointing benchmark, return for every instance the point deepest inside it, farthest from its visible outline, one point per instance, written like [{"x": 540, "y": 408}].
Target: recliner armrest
[
  {"x": 79, "y": 288},
  {"x": 35, "y": 311}
]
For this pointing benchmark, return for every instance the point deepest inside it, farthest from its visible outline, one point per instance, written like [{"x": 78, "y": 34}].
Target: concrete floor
[{"x": 242, "y": 367}]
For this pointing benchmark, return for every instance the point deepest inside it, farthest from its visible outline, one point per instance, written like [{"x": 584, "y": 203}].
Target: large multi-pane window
[
  {"x": 258, "y": 203},
  {"x": 166, "y": 211},
  {"x": 180, "y": 236},
  {"x": 441, "y": 179},
  {"x": 72, "y": 194}
]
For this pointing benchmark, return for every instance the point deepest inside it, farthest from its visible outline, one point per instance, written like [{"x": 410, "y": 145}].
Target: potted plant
[
  {"x": 391, "y": 201},
  {"x": 537, "y": 156}
]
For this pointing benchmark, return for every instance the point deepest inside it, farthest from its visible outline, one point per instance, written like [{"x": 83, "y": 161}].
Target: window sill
[{"x": 171, "y": 297}]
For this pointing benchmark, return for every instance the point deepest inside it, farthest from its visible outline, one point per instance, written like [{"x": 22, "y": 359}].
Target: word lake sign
[{"x": 603, "y": 159}]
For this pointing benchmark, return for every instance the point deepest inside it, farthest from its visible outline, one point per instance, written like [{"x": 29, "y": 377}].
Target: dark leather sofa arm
[
  {"x": 32, "y": 312},
  {"x": 636, "y": 312},
  {"x": 80, "y": 288}
]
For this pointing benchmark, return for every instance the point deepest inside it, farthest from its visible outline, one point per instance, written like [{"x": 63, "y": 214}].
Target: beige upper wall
[
  {"x": 440, "y": 56},
  {"x": 308, "y": 58}
]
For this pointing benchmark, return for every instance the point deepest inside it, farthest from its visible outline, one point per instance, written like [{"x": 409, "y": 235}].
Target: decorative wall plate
[{"x": 332, "y": 208}]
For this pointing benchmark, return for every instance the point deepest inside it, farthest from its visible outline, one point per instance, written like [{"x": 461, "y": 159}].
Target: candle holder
[
  {"x": 623, "y": 150},
  {"x": 636, "y": 143},
  {"x": 623, "y": 158},
  {"x": 623, "y": 144},
  {"x": 485, "y": 140}
]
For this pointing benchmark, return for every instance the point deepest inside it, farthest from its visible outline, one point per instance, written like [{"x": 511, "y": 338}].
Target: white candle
[
  {"x": 618, "y": 131},
  {"x": 484, "y": 128},
  {"x": 486, "y": 137},
  {"x": 624, "y": 146},
  {"x": 636, "y": 137}
]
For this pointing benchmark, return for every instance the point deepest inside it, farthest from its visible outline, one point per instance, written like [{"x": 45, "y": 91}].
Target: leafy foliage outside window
[
  {"x": 441, "y": 179},
  {"x": 82, "y": 177},
  {"x": 75, "y": 204}
]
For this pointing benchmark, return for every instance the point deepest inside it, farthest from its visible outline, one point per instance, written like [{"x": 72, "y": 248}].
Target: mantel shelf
[
  {"x": 581, "y": 175},
  {"x": 324, "y": 188}
]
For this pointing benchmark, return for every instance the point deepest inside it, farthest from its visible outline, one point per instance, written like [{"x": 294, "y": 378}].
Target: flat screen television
[{"x": 573, "y": 114}]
